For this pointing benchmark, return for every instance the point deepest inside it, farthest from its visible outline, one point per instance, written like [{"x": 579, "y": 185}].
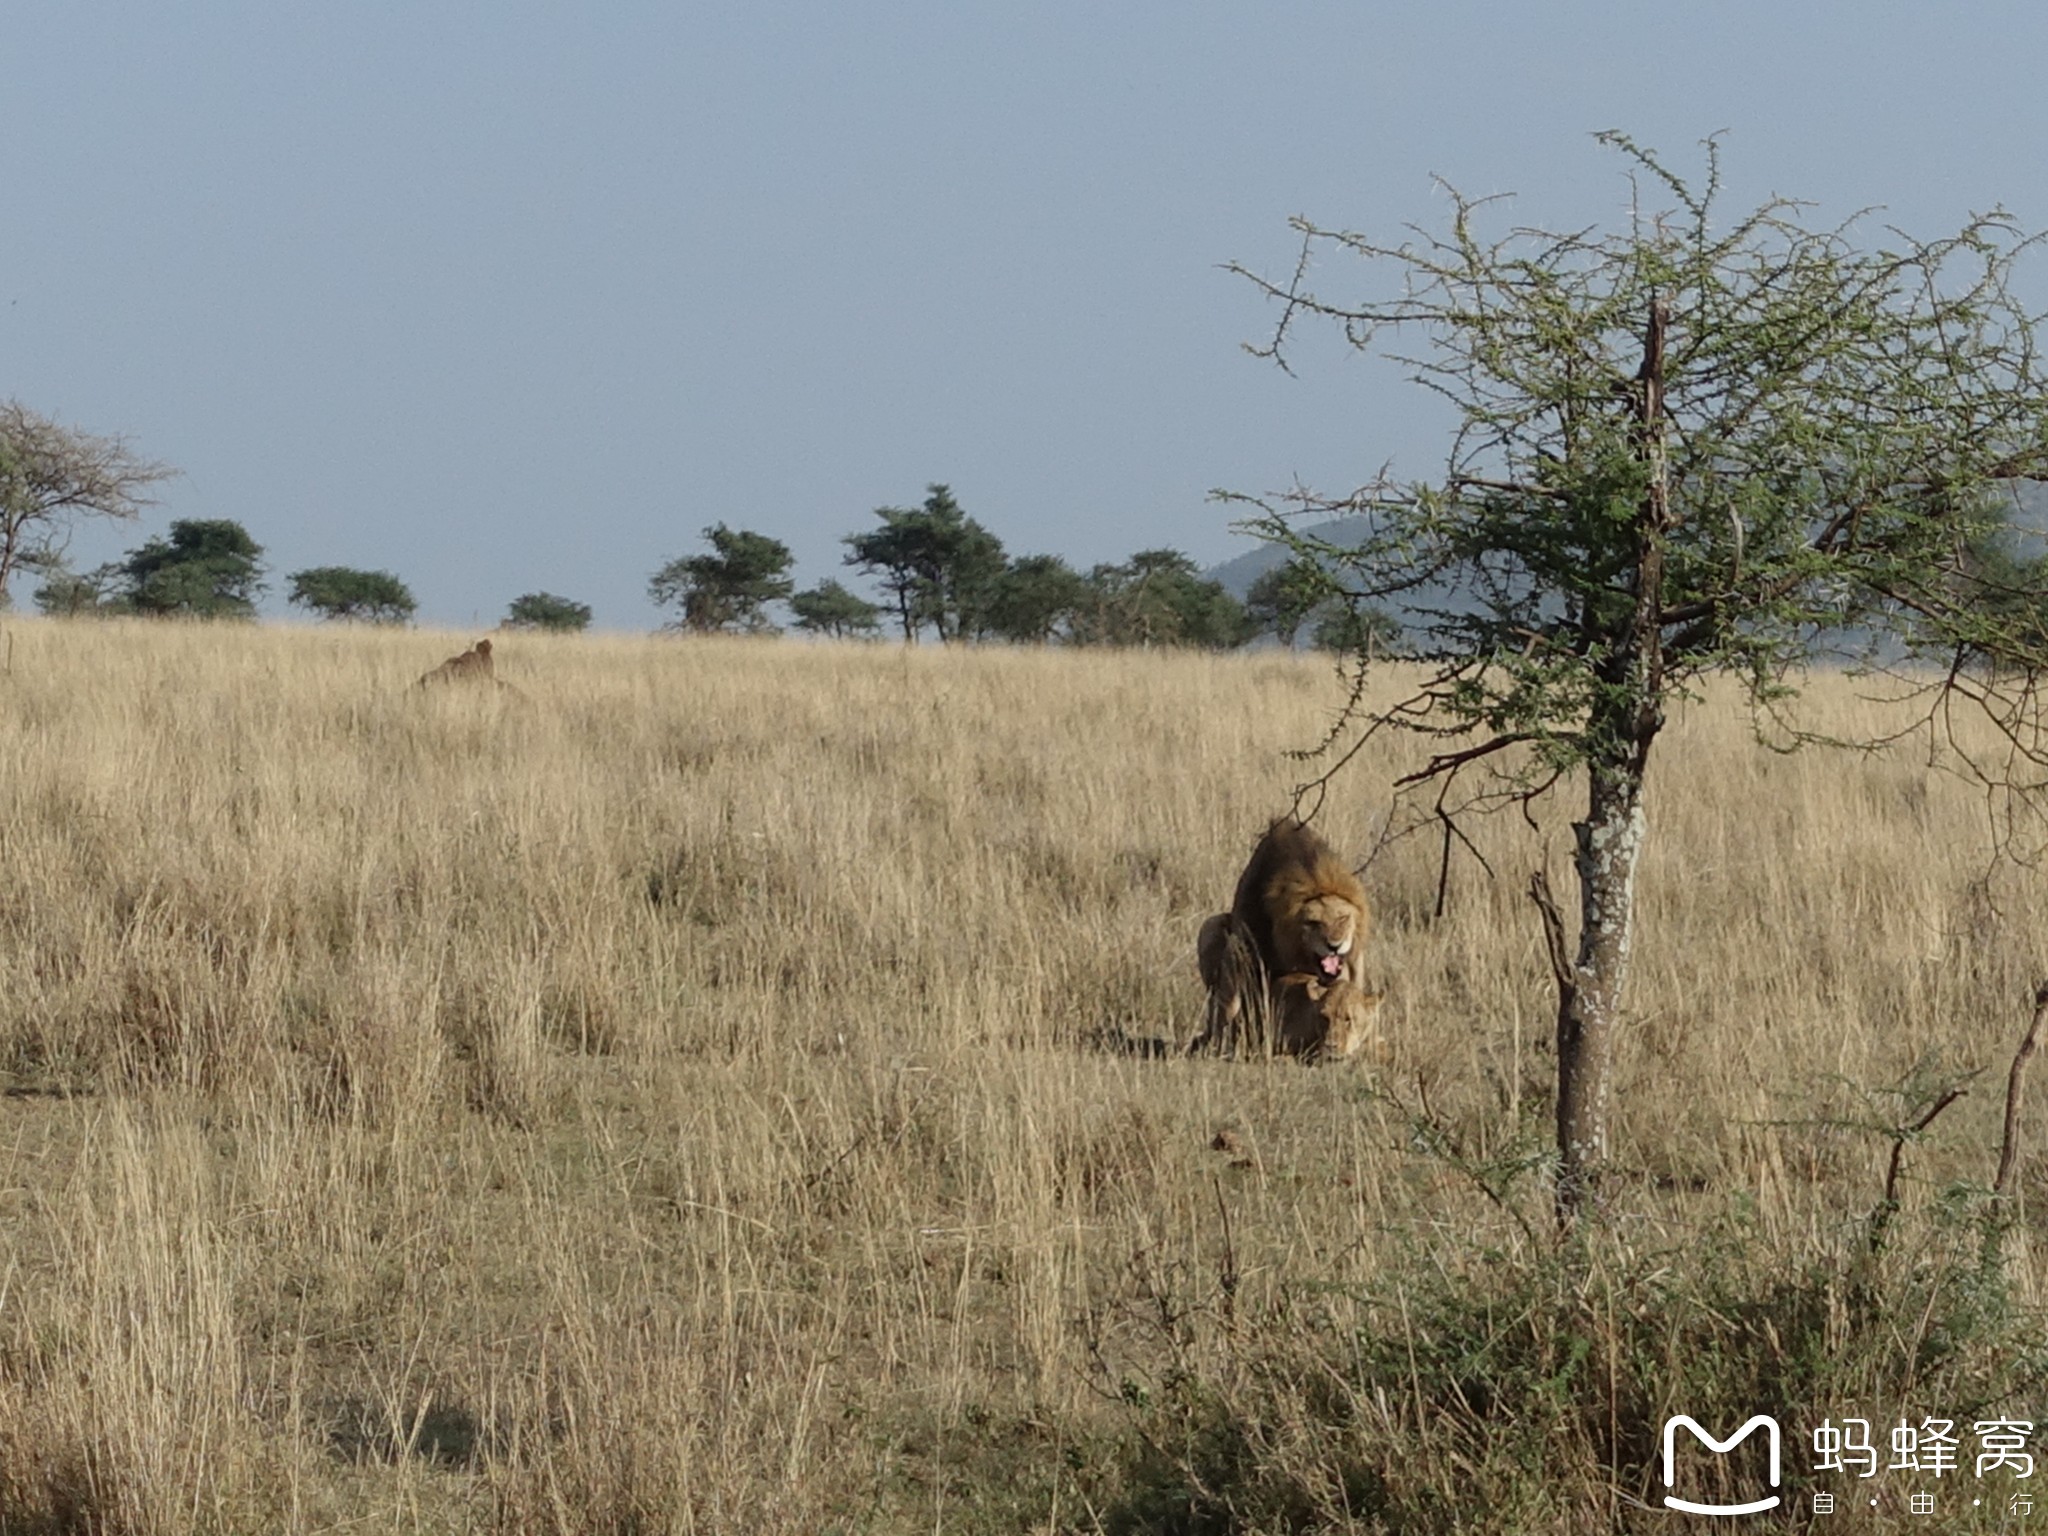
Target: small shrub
[{"x": 1528, "y": 1390}]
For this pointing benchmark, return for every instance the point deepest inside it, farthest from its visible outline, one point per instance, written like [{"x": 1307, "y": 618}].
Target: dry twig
[{"x": 2015, "y": 1082}]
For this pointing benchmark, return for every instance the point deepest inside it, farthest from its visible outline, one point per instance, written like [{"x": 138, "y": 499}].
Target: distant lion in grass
[
  {"x": 472, "y": 669},
  {"x": 1282, "y": 965},
  {"x": 472, "y": 666}
]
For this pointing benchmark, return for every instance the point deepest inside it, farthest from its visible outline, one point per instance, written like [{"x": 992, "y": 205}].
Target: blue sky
[{"x": 522, "y": 296}]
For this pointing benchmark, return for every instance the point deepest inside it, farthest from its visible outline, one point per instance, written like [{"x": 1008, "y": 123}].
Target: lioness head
[
  {"x": 1328, "y": 926},
  {"x": 1329, "y": 1021},
  {"x": 1351, "y": 1018}
]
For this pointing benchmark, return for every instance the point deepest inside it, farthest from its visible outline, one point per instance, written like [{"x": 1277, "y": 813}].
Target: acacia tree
[
  {"x": 731, "y": 587},
  {"x": 1686, "y": 446},
  {"x": 829, "y": 609},
  {"x": 209, "y": 568},
  {"x": 52, "y": 474},
  {"x": 342, "y": 592},
  {"x": 1034, "y": 599},
  {"x": 545, "y": 610},
  {"x": 1158, "y": 597},
  {"x": 65, "y": 593},
  {"x": 937, "y": 564},
  {"x": 1355, "y": 630},
  {"x": 1282, "y": 599}
]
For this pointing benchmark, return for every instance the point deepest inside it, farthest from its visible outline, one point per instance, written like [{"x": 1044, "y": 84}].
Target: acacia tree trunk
[{"x": 1610, "y": 839}]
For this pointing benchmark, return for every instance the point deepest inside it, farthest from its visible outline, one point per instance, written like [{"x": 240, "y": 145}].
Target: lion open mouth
[{"x": 1332, "y": 966}]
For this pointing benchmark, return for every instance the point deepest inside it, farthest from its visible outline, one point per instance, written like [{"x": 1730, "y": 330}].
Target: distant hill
[
  {"x": 2030, "y": 514},
  {"x": 2029, "y": 541},
  {"x": 1238, "y": 575}
]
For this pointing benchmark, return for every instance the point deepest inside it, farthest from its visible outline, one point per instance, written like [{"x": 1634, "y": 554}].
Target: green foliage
[
  {"x": 1035, "y": 599},
  {"x": 1833, "y": 428},
  {"x": 65, "y": 593},
  {"x": 1525, "y": 1387},
  {"x": 829, "y": 609},
  {"x": 207, "y": 569},
  {"x": 1302, "y": 593},
  {"x": 938, "y": 565},
  {"x": 1355, "y": 630},
  {"x": 1281, "y": 600},
  {"x": 544, "y": 610},
  {"x": 1159, "y": 597},
  {"x": 729, "y": 588},
  {"x": 343, "y": 592},
  {"x": 2007, "y": 586}
]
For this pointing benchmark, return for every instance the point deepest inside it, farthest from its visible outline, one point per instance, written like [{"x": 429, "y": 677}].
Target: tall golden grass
[{"x": 676, "y": 1096}]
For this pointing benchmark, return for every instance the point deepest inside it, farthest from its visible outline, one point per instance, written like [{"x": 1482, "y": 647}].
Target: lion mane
[{"x": 1282, "y": 966}]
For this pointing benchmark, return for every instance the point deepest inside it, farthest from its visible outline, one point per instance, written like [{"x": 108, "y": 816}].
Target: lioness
[
  {"x": 1282, "y": 963},
  {"x": 1328, "y": 1020},
  {"x": 472, "y": 666},
  {"x": 1301, "y": 1015}
]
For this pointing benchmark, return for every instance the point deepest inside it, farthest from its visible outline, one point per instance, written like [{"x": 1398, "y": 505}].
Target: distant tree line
[
  {"x": 945, "y": 576},
  {"x": 212, "y": 569},
  {"x": 939, "y": 573}
]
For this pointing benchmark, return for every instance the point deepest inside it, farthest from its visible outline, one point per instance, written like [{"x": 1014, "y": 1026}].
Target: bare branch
[
  {"x": 1450, "y": 762},
  {"x": 1881, "y": 1217},
  {"x": 52, "y": 474},
  {"x": 2009, "y": 1143},
  {"x": 1554, "y": 945}
]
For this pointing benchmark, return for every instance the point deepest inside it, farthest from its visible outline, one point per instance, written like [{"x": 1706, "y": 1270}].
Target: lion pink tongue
[{"x": 1333, "y": 965}]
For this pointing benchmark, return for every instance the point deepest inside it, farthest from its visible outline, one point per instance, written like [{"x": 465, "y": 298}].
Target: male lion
[
  {"x": 1282, "y": 964},
  {"x": 472, "y": 666}
]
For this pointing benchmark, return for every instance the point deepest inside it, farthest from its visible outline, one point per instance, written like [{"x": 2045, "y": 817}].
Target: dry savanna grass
[{"x": 680, "y": 1095}]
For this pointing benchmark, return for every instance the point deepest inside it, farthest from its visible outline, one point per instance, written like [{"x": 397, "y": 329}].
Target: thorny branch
[{"x": 1888, "y": 1207}]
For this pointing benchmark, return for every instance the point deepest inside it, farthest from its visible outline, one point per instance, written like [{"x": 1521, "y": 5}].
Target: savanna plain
[{"x": 703, "y": 1090}]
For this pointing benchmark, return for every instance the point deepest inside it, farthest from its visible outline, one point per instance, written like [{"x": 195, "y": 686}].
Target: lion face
[
  {"x": 1327, "y": 1021},
  {"x": 1352, "y": 1020},
  {"x": 1327, "y": 927}
]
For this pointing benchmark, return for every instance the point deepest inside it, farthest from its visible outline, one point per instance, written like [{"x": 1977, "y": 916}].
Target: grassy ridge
[{"x": 670, "y": 1099}]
